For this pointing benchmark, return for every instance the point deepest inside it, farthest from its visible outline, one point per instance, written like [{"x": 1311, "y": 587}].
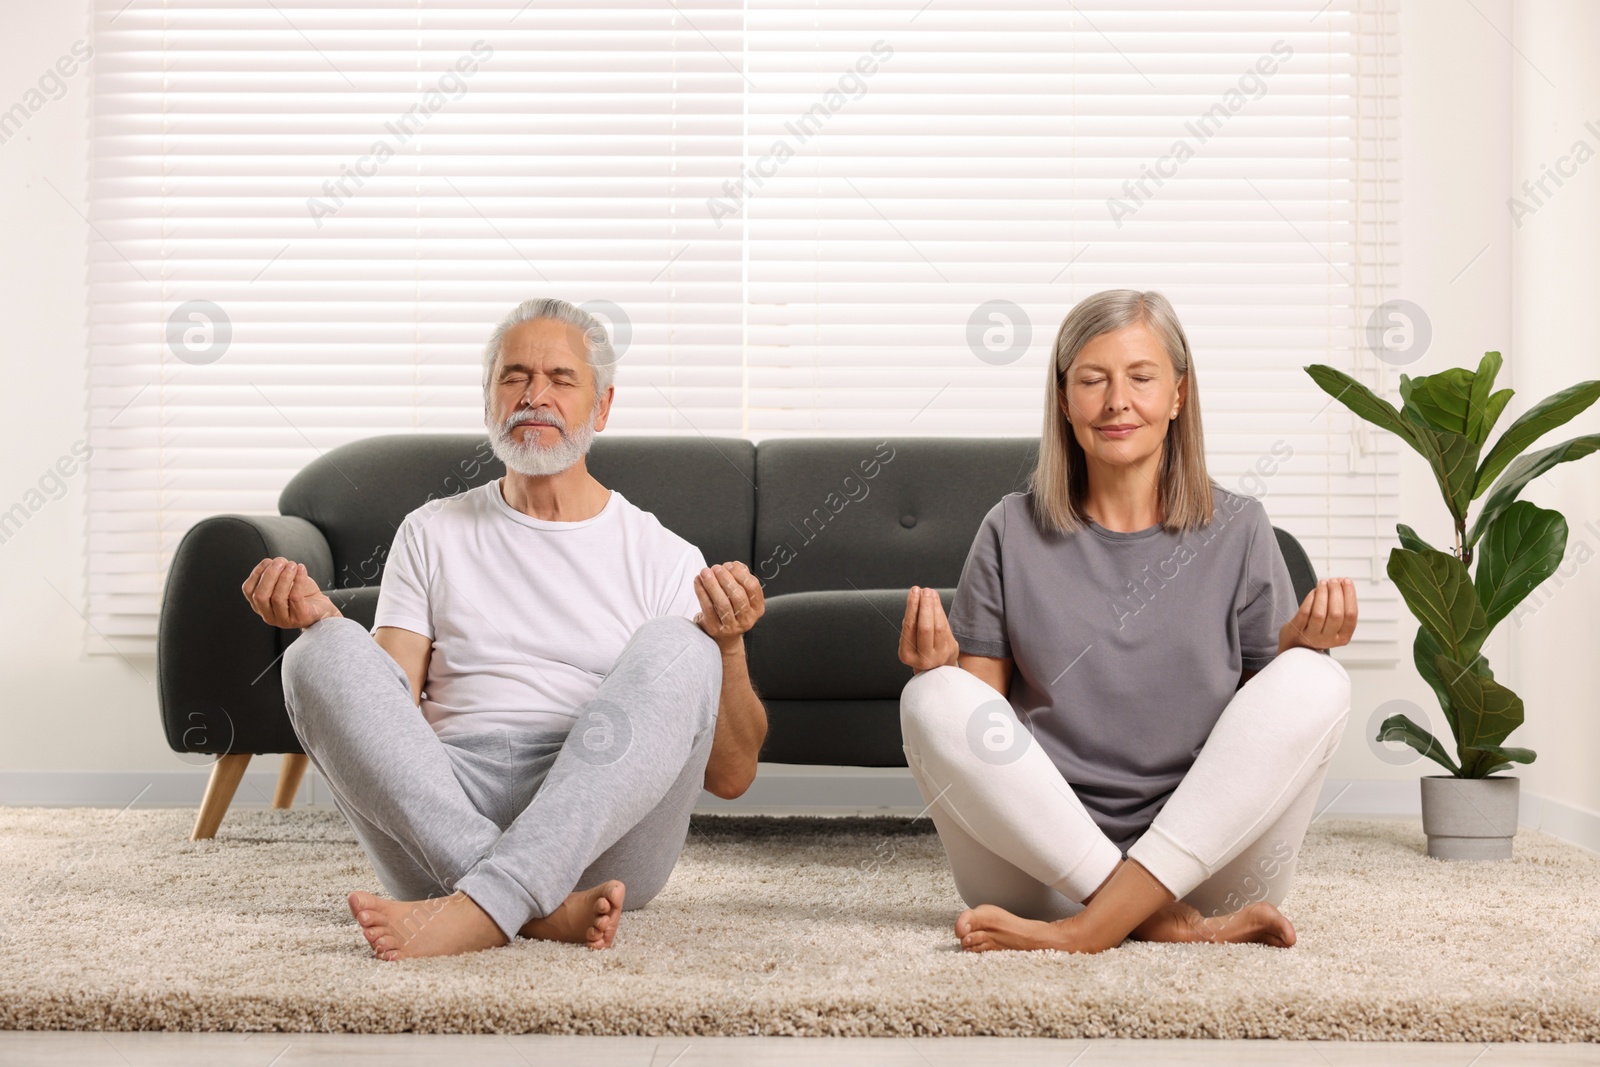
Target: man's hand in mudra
[
  {"x": 730, "y": 602},
  {"x": 283, "y": 594}
]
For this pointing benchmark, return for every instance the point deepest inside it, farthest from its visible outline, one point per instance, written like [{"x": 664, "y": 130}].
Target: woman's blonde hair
[{"x": 1061, "y": 479}]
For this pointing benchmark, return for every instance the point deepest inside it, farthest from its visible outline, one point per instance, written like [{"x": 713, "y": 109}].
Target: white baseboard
[
  {"x": 802, "y": 789},
  {"x": 1370, "y": 796},
  {"x": 779, "y": 789},
  {"x": 1575, "y": 825},
  {"x": 144, "y": 789}
]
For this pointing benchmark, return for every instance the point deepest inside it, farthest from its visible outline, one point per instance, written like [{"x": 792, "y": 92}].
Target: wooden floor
[{"x": 399, "y": 1050}]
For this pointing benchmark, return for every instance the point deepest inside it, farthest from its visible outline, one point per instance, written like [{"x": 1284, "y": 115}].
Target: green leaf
[
  {"x": 1424, "y": 650},
  {"x": 1486, "y": 711},
  {"x": 1452, "y": 456},
  {"x": 1400, "y": 728},
  {"x": 1457, "y": 400},
  {"x": 1485, "y": 410},
  {"x": 1494, "y": 407},
  {"x": 1454, "y": 459},
  {"x": 1415, "y": 417},
  {"x": 1410, "y": 540},
  {"x": 1438, "y": 590},
  {"x": 1523, "y": 470},
  {"x": 1491, "y": 758},
  {"x": 1444, "y": 400},
  {"x": 1523, "y": 547},
  {"x": 1364, "y": 402},
  {"x": 1544, "y": 416}
]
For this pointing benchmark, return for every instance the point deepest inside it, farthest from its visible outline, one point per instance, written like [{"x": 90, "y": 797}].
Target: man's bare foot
[
  {"x": 1258, "y": 923},
  {"x": 443, "y": 926},
  {"x": 587, "y": 917}
]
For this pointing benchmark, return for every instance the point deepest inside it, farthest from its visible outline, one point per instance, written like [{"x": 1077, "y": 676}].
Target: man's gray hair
[{"x": 602, "y": 360}]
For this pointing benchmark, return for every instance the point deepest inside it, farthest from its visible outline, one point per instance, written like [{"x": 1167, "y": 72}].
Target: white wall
[
  {"x": 1469, "y": 103},
  {"x": 1555, "y": 90},
  {"x": 63, "y": 708},
  {"x": 1455, "y": 120}
]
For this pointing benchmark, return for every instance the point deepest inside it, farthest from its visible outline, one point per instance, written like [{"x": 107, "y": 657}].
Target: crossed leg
[
  {"x": 1037, "y": 872},
  {"x": 431, "y": 916},
  {"x": 466, "y": 872}
]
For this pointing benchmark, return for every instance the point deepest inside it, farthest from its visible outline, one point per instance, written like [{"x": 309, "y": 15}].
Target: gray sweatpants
[{"x": 516, "y": 820}]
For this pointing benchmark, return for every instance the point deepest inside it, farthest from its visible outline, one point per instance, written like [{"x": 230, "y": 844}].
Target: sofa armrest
[{"x": 217, "y": 662}]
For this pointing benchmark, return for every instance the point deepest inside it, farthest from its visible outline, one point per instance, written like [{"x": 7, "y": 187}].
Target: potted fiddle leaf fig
[{"x": 1470, "y": 813}]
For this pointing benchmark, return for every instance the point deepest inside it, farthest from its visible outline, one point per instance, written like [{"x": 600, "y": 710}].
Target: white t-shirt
[{"x": 527, "y": 616}]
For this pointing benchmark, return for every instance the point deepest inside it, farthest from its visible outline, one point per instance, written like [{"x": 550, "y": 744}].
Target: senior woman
[{"x": 1122, "y": 727}]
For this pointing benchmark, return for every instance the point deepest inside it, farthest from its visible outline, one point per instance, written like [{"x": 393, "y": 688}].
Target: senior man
[{"x": 551, "y": 678}]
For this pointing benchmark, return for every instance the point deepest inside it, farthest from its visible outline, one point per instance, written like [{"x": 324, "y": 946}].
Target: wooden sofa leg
[
  {"x": 225, "y": 776},
  {"x": 289, "y": 775}
]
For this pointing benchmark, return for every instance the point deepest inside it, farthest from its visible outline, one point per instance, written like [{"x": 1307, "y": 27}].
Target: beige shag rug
[{"x": 797, "y": 926}]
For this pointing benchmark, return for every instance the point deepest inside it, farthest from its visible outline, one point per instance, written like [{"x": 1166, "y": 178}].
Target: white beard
[{"x": 534, "y": 459}]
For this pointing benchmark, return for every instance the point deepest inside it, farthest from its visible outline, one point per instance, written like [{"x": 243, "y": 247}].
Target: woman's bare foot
[
  {"x": 1258, "y": 923},
  {"x": 587, "y": 917},
  {"x": 988, "y": 927},
  {"x": 443, "y": 926}
]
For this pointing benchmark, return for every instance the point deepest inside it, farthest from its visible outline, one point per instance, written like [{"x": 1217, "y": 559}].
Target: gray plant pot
[{"x": 1470, "y": 818}]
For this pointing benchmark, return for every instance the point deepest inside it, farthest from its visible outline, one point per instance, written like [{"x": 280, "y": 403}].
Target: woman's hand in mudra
[
  {"x": 925, "y": 638},
  {"x": 1327, "y": 617}
]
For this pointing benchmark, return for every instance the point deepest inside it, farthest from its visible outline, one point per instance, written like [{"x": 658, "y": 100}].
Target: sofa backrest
[
  {"x": 831, "y": 513},
  {"x": 877, "y": 513},
  {"x": 907, "y": 507},
  {"x": 357, "y": 494},
  {"x": 701, "y": 488}
]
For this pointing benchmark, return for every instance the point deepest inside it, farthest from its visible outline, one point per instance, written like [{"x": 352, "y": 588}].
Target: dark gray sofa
[{"x": 837, "y": 531}]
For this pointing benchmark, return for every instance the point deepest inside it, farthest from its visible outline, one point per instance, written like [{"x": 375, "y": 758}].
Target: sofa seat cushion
[
  {"x": 818, "y": 731},
  {"x": 831, "y": 645}
]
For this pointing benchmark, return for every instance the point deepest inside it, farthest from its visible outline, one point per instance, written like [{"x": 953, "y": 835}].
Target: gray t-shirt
[{"x": 1127, "y": 646}]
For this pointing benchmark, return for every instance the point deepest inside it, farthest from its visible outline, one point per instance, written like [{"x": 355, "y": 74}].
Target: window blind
[{"x": 800, "y": 219}]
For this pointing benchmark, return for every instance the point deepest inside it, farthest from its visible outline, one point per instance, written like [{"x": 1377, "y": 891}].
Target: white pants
[{"x": 1018, "y": 837}]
